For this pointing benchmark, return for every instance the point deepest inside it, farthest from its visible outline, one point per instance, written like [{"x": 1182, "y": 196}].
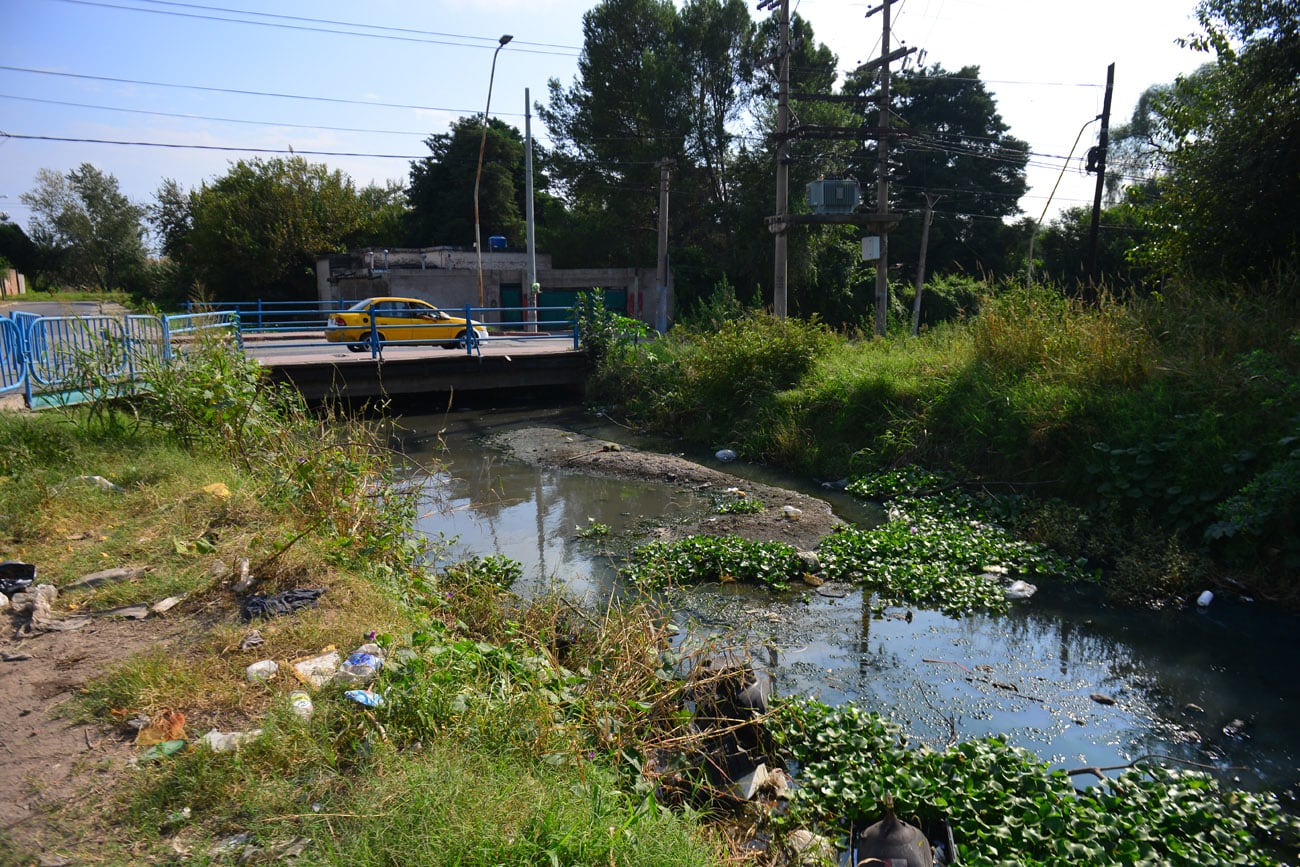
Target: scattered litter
[
  {"x": 791, "y": 513},
  {"x": 1020, "y": 590},
  {"x": 251, "y": 640},
  {"x": 15, "y": 657},
  {"x": 128, "y": 612},
  {"x": 725, "y": 455},
  {"x": 1101, "y": 698},
  {"x": 284, "y": 602},
  {"x": 1204, "y": 600},
  {"x": 300, "y": 703},
  {"x": 262, "y": 671},
  {"x": 231, "y": 844},
  {"x": 165, "y": 605},
  {"x": 4, "y": 602},
  {"x": 365, "y": 697},
  {"x": 106, "y": 576},
  {"x": 99, "y": 482},
  {"x": 748, "y": 786},
  {"x": 227, "y": 742},
  {"x": 169, "y": 725},
  {"x": 361, "y": 667},
  {"x": 162, "y": 750},
  {"x": 244, "y": 581},
  {"x": 16, "y": 576},
  {"x": 218, "y": 490},
  {"x": 37, "y": 602},
  {"x": 318, "y": 670}
]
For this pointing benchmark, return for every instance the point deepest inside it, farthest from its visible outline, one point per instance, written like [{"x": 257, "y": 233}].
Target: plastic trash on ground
[
  {"x": 365, "y": 697},
  {"x": 301, "y": 704},
  {"x": 318, "y": 670},
  {"x": 227, "y": 742},
  {"x": 361, "y": 667},
  {"x": 262, "y": 670},
  {"x": 16, "y": 576}
]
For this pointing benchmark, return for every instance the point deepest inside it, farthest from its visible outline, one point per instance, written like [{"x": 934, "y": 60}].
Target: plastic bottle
[
  {"x": 260, "y": 671},
  {"x": 300, "y": 702}
]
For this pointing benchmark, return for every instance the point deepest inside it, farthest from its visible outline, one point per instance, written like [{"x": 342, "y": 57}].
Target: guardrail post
[
  {"x": 471, "y": 336},
  {"x": 374, "y": 336},
  {"x": 574, "y": 312}
]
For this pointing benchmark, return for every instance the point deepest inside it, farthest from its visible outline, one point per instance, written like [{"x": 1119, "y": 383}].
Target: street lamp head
[{"x": 504, "y": 39}]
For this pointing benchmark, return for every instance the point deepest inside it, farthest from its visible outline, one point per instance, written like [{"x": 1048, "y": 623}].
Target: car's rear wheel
[{"x": 357, "y": 347}]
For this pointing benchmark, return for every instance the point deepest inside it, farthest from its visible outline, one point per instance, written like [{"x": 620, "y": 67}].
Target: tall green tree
[
  {"x": 958, "y": 147},
  {"x": 1230, "y": 201},
  {"x": 16, "y": 248},
  {"x": 440, "y": 196},
  {"x": 656, "y": 83},
  {"x": 87, "y": 232},
  {"x": 256, "y": 231}
]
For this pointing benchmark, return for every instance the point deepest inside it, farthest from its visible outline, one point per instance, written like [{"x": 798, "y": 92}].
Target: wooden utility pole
[
  {"x": 661, "y": 268},
  {"x": 882, "y": 221},
  {"x": 1103, "y": 142},
  {"x": 882, "y": 170},
  {"x": 779, "y": 225},
  {"x": 930, "y": 202}
]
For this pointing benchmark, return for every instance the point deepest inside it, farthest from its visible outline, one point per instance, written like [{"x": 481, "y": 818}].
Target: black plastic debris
[
  {"x": 16, "y": 577},
  {"x": 284, "y": 602}
]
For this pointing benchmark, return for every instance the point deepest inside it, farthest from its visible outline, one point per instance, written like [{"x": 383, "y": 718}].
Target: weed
[{"x": 1005, "y": 805}]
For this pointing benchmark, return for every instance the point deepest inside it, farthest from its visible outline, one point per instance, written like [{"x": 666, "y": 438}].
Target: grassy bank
[
  {"x": 510, "y": 732},
  {"x": 488, "y": 750},
  {"x": 1158, "y": 436}
]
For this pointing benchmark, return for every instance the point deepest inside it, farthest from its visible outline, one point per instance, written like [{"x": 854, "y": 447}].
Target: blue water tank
[{"x": 497, "y": 243}]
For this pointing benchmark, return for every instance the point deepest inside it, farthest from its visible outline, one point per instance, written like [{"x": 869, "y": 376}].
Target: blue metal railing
[
  {"x": 13, "y": 370},
  {"x": 45, "y": 355},
  {"x": 56, "y": 355}
]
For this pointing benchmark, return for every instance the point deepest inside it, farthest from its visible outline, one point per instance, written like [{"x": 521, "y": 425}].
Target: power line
[
  {"x": 218, "y": 119},
  {"x": 302, "y": 27},
  {"x": 228, "y": 148},
  {"x": 329, "y": 99}
]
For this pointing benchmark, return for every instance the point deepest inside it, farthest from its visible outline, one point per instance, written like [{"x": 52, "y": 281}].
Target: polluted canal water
[{"x": 1076, "y": 682}]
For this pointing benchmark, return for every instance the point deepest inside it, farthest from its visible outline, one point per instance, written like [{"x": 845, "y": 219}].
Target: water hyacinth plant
[
  {"x": 936, "y": 547},
  {"x": 1007, "y": 807},
  {"x": 698, "y": 559}
]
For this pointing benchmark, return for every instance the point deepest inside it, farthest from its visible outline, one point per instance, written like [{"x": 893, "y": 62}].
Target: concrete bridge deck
[{"x": 331, "y": 371}]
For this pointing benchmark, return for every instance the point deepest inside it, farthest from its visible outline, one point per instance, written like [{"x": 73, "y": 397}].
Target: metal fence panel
[
  {"x": 13, "y": 370},
  {"x": 62, "y": 348}
]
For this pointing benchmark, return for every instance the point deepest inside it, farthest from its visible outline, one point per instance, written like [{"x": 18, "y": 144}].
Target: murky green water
[{"x": 1177, "y": 678}]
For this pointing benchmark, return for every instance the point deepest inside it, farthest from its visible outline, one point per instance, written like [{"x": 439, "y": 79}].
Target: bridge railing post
[{"x": 375, "y": 350}]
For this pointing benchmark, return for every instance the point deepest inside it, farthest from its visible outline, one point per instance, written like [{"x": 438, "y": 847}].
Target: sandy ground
[
  {"x": 580, "y": 453},
  {"x": 49, "y": 760}
]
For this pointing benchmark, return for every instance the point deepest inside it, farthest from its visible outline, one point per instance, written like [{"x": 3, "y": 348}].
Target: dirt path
[
  {"x": 49, "y": 760},
  {"x": 563, "y": 449}
]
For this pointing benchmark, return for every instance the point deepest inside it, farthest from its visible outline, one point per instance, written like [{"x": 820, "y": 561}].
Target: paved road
[
  {"x": 63, "y": 308},
  {"x": 280, "y": 352}
]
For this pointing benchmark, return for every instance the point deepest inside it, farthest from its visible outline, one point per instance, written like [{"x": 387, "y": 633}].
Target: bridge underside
[{"x": 361, "y": 379}]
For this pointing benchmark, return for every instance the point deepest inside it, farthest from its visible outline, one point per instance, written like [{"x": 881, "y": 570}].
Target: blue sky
[{"x": 428, "y": 63}]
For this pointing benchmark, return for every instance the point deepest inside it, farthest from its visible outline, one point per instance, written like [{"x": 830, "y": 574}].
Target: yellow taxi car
[{"x": 404, "y": 320}]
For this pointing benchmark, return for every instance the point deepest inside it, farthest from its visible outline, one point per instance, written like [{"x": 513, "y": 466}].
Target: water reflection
[{"x": 1176, "y": 678}]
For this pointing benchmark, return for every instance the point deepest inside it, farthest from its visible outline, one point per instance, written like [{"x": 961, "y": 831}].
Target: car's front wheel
[
  {"x": 459, "y": 342},
  {"x": 357, "y": 347}
]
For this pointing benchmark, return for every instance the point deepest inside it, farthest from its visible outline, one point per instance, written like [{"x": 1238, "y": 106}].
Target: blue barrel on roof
[{"x": 497, "y": 243}]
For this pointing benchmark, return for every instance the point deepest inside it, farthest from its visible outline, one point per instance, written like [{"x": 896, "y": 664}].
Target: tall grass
[{"x": 1173, "y": 413}]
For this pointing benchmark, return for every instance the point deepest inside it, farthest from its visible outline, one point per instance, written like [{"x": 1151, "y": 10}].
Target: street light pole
[{"x": 478, "y": 175}]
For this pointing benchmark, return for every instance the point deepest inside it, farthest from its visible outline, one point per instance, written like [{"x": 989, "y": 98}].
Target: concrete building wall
[{"x": 453, "y": 282}]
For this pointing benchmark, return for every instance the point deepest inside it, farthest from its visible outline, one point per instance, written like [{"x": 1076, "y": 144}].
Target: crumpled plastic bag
[
  {"x": 168, "y": 725},
  {"x": 38, "y": 604}
]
